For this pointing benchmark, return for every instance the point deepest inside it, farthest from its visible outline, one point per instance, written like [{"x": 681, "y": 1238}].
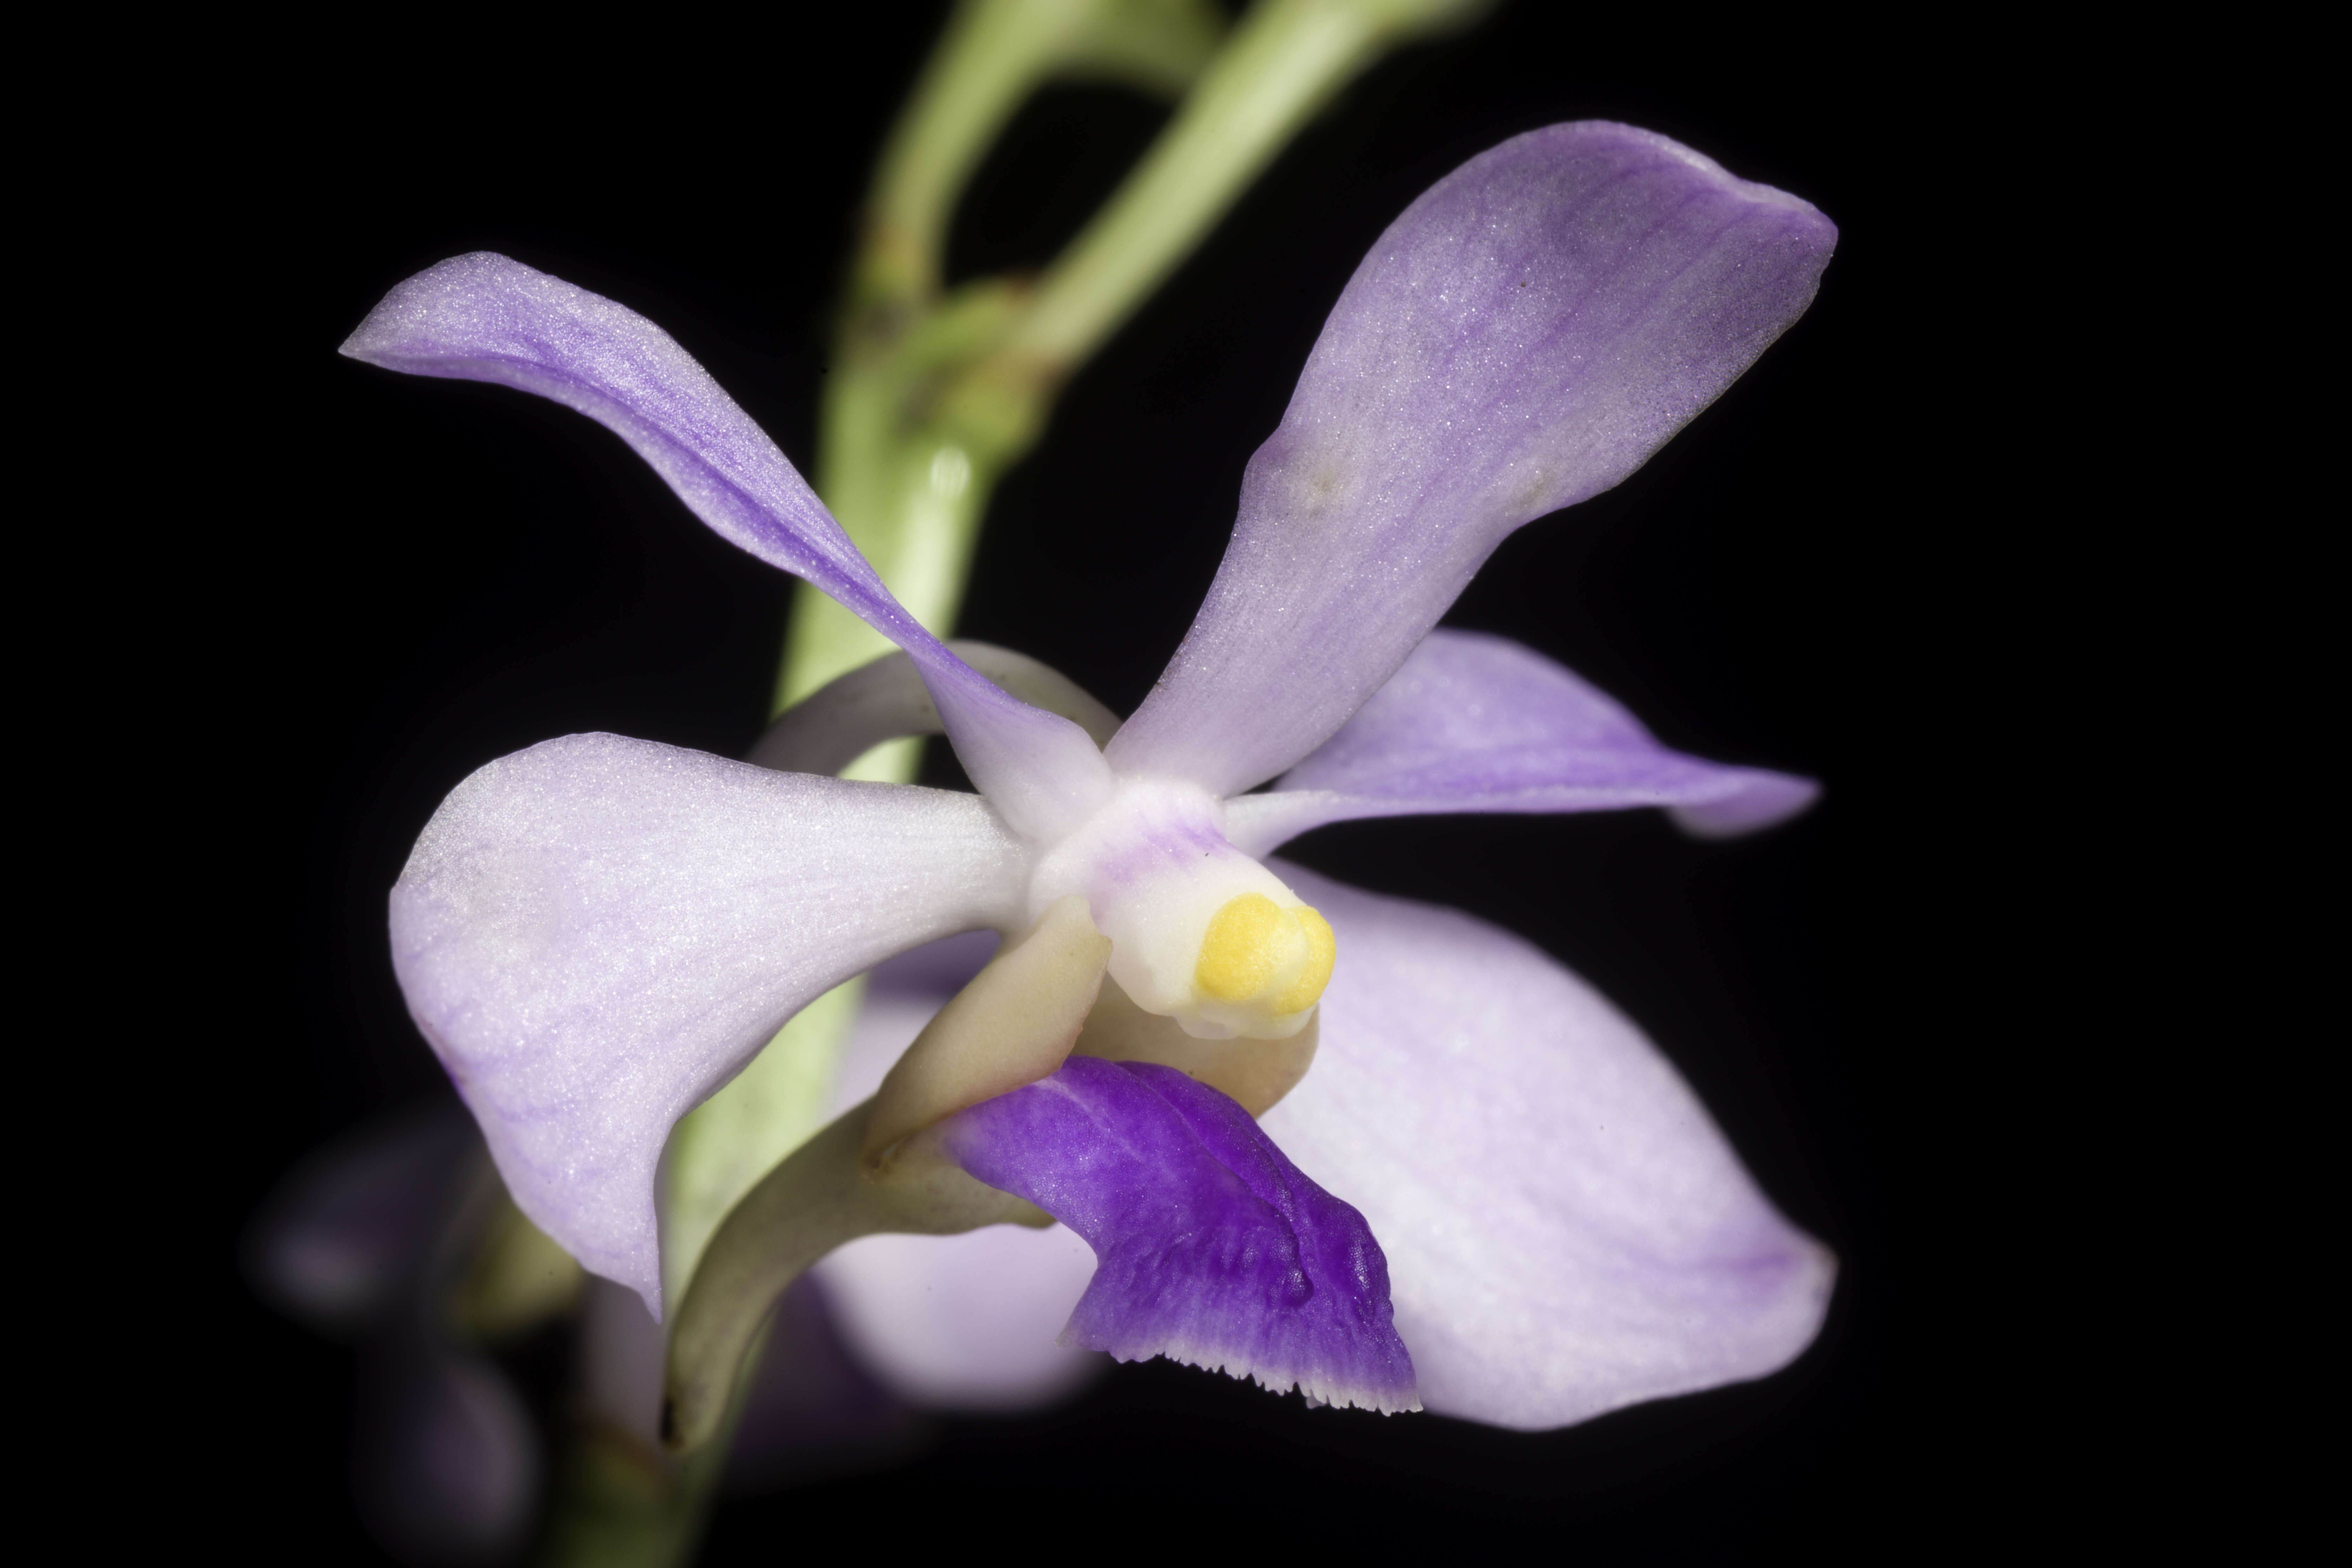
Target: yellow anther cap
[
  {"x": 1256, "y": 950},
  {"x": 1306, "y": 987}
]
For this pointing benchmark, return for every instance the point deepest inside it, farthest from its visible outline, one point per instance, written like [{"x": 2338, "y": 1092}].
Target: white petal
[
  {"x": 1566, "y": 1230},
  {"x": 596, "y": 934}
]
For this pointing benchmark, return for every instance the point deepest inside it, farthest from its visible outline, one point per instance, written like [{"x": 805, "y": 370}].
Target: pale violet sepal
[
  {"x": 1474, "y": 723},
  {"x": 486, "y": 317},
  {"x": 966, "y": 1323},
  {"x": 1529, "y": 330},
  {"x": 1566, "y": 1232},
  {"x": 595, "y": 934}
]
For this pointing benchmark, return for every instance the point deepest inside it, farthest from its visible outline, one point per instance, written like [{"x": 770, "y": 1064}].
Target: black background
[{"x": 388, "y": 582}]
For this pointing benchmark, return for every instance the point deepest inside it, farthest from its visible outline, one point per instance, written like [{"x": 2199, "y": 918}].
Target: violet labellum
[{"x": 1539, "y": 1223}]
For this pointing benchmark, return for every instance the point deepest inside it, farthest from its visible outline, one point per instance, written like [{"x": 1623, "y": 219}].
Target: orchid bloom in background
[{"x": 1490, "y": 1196}]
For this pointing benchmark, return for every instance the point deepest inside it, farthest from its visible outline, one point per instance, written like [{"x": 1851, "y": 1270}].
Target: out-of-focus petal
[
  {"x": 955, "y": 1323},
  {"x": 966, "y": 1323},
  {"x": 1212, "y": 1248},
  {"x": 1474, "y": 723},
  {"x": 1566, "y": 1232},
  {"x": 597, "y": 932},
  {"x": 484, "y": 317},
  {"x": 348, "y": 1231},
  {"x": 445, "y": 1463},
  {"x": 621, "y": 1360},
  {"x": 1525, "y": 336}
]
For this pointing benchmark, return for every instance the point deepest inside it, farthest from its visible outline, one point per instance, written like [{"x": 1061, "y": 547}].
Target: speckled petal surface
[
  {"x": 1566, "y": 1230},
  {"x": 596, "y": 934},
  {"x": 485, "y": 317},
  {"x": 1523, "y": 337},
  {"x": 1474, "y": 723},
  {"x": 1211, "y": 1247}
]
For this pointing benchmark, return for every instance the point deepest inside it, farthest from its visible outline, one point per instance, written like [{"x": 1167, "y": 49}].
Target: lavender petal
[
  {"x": 484, "y": 317},
  {"x": 596, "y": 934},
  {"x": 1474, "y": 723},
  {"x": 1566, "y": 1232},
  {"x": 1212, "y": 1248},
  {"x": 1525, "y": 336}
]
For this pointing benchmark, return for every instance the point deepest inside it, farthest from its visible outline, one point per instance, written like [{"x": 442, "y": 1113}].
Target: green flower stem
[
  {"x": 722, "y": 1147},
  {"x": 1285, "y": 61},
  {"x": 933, "y": 398},
  {"x": 911, "y": 489},
  {"x": 995, "y": 53},
  {"x": 617, "y": 1502}
]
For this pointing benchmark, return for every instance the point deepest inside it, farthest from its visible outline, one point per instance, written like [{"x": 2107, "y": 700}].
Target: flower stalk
[{"x": 934, "y": 393}]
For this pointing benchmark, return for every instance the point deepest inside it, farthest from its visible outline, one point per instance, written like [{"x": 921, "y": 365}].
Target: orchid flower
[{"x": 1491, "y": 1196}]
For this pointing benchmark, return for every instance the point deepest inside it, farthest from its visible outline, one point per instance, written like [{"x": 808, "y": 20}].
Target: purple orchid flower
[{"x": 596, "y": 934}]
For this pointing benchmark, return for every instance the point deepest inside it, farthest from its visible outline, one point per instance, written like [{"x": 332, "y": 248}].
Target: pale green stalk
[
  {"x": 910, "y": 488},
  {"x": 934, "y": 396},
  {"x": 1285, "y": 62}
]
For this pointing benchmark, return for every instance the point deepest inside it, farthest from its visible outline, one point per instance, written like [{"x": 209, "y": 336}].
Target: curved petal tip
[
  {"x": 1525, "y": 336},
  {"x": 1763, "y": 799}
]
